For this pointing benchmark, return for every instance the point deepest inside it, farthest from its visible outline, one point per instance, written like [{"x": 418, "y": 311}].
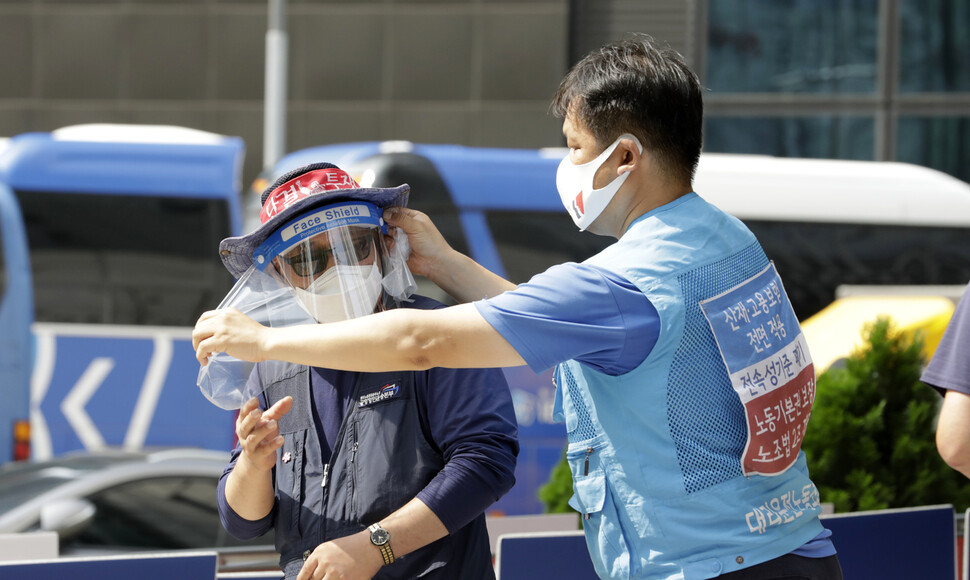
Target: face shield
[
  {"x": 336, "y": 274},
  {"x": 330, "y": 264}
]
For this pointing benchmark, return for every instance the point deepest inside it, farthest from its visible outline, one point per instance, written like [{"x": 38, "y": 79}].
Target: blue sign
[
  {"x": 98, "y": 386},
  {"x": 190, "y": 566},
  {"x": 560, "y": 555}
]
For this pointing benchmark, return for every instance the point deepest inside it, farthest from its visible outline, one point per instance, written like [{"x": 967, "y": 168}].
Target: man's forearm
[
  {"x": 413, "y": 527},
  {"x": 401, "y": 339},
  {"x": 953, "y": 431},
  {"x": 249, "y": 492},
  {"x": 466, "y": 280}
]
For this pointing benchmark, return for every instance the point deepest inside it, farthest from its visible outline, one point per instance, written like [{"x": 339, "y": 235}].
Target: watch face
[{"x": 379, "y": 537}]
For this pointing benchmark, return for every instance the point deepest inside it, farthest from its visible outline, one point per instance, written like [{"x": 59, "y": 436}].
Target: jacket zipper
[{"x": 353, "y": 470}]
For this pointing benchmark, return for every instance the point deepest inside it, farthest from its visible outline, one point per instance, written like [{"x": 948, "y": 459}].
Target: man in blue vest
[
  {"x": 682, "y": 375},
  {"x": 361, "y": 475}
]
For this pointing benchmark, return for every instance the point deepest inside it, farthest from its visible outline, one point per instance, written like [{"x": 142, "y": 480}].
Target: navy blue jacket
[{"x": 446, "y": 436}]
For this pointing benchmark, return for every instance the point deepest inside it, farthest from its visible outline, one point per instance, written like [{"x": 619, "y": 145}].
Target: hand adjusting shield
[
  {"x": 268, "y": 300},
  {"x": 319, "y": 256}
]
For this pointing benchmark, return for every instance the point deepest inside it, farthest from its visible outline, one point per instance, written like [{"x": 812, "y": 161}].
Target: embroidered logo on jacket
[{"x": 386, "y": 392}]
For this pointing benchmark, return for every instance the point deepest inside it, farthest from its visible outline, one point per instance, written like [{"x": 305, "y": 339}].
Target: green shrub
[
  {"x": 556, "y": 492},
  {"x": 871, "y": 440}
]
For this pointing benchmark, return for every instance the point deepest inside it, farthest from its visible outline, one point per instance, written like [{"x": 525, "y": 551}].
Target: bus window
[
  {"x": 120, "y": 259},
  {"x": 429, "y": 193},
  {"x": 815, "y": 258},
  {"x": 123, "y": 221}
]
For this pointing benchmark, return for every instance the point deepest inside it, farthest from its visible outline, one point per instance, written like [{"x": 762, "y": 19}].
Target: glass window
[
  {"x": 16, "y": 488},
  {"x": 934, "y": 46},
  {"x": 792, "y": 46},
  {"x": 532, "y": 242},
  {"x": 813, "y": 259},
  {"x": 162, "y": 513},
  {"x": 942, "y": 143},
  {"x": 165, "y": 513},
  {"x": 21, "y": 481},
  {"x": 429, "y": 194},
  {"x": 125, "y": 259},
  {"x": 819, "y": 137}
]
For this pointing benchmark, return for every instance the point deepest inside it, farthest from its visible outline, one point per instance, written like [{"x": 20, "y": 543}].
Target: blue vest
[{"x": 656, "y": 453}]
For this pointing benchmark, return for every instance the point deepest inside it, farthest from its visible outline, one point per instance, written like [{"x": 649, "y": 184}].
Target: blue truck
[{"x": 108, "y": 237}]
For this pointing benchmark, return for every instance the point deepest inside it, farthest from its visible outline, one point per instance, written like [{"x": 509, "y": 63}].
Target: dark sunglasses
[{"x": 321, "y": 259}]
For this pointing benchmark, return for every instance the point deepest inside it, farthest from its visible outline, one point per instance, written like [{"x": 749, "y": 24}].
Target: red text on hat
[{"x": 303, "y": 186}]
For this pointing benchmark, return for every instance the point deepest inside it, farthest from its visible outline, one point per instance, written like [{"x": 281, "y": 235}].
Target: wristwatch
[{"x": 382, "y": 539}]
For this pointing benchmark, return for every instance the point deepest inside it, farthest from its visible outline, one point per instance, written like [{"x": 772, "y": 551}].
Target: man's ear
[{"x": 631, "y": 156}]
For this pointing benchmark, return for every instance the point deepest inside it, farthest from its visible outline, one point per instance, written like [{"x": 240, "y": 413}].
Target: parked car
[{"x": 115, "y": 501}]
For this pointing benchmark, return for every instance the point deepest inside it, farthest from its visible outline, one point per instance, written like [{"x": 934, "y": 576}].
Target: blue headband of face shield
[{"x": 349, "y": 213}]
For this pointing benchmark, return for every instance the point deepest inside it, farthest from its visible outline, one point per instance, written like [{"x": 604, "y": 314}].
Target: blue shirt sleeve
[{"x": 576, "y": 311}]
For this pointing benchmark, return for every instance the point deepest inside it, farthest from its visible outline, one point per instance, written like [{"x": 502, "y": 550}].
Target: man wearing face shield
[
  {"x": 362, "y": 475},
  {"x": 683, "y": 378}
]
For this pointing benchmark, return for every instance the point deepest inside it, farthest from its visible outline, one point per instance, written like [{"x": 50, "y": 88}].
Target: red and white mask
[{"x": 575, "y": 184}]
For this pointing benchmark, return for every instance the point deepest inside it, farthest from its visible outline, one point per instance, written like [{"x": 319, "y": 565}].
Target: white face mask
[
  {"x": 575, "y": 184},
  {"x": 342, "y": 292}
]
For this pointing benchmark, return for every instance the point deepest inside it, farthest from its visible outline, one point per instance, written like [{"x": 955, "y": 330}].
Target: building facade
[{"x": 853, "y": 79}]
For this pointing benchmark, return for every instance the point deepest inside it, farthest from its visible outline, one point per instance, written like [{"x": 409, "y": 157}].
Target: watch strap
[{"x": 386, "y": 553}]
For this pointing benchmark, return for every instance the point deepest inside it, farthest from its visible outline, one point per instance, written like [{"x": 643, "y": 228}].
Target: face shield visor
[
  {"x": 336, "y": 274},
  {"x": 330, "y": 264}
]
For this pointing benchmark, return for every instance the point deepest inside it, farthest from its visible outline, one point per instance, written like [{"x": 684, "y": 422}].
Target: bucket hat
[{"x": 296, "y": 192}]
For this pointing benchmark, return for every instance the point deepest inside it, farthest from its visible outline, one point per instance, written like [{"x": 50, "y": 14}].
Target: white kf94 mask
[
  {"x": 575, "y": 184},
  {"x": 342, "y": 293}
]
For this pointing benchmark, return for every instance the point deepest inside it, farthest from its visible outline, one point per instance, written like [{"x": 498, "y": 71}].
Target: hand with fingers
[
  {"x": 349, "y": 558},
  {"x": 259, "y": 433},
  {"x": 428, "y": 246},
  {"x": 230, "y": 331}
]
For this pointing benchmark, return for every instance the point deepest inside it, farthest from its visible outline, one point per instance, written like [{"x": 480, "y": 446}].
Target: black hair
[{"x": 638, "y": 86}]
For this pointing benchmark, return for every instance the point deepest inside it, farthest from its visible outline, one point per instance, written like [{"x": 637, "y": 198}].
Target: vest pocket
[
  {"x": 290, "y": 481},
  {"x": 589, "y": 476},
  {"x": 606, "y": 533}
]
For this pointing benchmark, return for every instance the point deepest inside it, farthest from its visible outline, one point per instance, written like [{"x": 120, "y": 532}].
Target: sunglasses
[{"x": 321, "y": 259}]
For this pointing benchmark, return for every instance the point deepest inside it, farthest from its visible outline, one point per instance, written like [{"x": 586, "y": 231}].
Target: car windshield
[{"x": 21, "y": 481}]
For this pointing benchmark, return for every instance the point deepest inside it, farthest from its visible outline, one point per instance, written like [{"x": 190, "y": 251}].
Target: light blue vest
[{"x": 656, "y": 453}]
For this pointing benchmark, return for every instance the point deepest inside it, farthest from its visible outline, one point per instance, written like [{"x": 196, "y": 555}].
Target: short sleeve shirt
[
  {"x": 576, "y": 311},
  {"x": 949, "y": 369}
]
